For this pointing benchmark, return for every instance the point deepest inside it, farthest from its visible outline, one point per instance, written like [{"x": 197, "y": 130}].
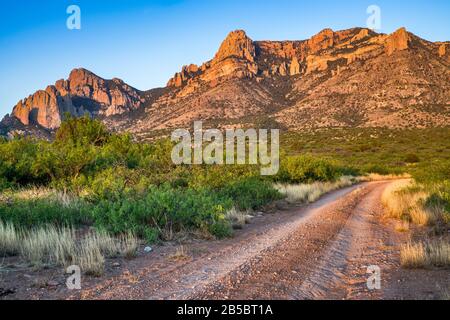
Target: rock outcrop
[
  {"x": 82, "y": 92},
  {"x": 238, "y": 45},
  {"x": 397, "y": 41},
  {"x": 442, "y": 50},
  {"x": 322, "y": 40},
  {"x": 45, "y": 108},
  {"x": 295, "y": 67},
  {"x": 234, "y": 59},
  {"x": 181, "y": 78}
]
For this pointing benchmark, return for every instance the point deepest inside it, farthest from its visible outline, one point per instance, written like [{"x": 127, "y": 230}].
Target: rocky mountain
[{"x": 353, "y": 77}]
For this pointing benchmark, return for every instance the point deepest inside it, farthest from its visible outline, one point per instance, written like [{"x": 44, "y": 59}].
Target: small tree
[{"x": 82, "y": 131}]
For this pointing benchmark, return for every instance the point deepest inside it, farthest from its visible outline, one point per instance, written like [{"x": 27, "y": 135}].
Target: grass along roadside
[
  {"x": 417, "y": 211},
  {"x": 307, "y": 193},
  {"x": 53, "y": 246},
  {"x": 435, "y": 253}
]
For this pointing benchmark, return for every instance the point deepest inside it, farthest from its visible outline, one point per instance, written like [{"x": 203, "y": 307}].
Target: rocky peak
[
  {"x": 82, "y": 92},
  {"x": 235, "y": 58},
  {"x": 323, "y": 40},
  {"x": 182, "y": 77},
  {"x": 397, "y": 41},
  {"x": 237, "y": 44}
]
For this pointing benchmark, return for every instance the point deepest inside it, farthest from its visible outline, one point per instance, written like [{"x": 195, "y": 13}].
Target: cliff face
[
  {"x": 82, "y": 92},
  {"x": 240, "y": 57},
  {"x": 353, "y": 77}
]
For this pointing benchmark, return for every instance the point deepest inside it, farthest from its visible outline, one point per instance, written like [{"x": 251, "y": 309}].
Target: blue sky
[{"x": 146, "y": 42}]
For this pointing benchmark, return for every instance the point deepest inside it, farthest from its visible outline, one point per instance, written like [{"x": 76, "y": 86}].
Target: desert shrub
[
  {"x": 164, "y": 207},
  {"x": 250, "y": 193},
  {"x": 111, "y": 183},
  {"x": 151, "y": 234},
  {"x": 16, "y": 159},
  {"x": 37, "y": 212},
  {"x": 218, "y": 177},
  {"x": 81, "y": 131},
  {"x": 307, "y": 169},
  {"x": 433, "y": 172},
  {"x": 412, "y": 158},
  {"x": 377, "y": 168}
]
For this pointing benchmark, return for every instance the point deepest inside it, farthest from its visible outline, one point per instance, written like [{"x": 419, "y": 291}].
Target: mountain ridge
[{"x": 287, "y": 83}]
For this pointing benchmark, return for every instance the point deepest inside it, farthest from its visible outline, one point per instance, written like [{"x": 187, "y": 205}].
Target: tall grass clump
[
  {"x": 307, "y": 193},
  {"x": 89, "y": 256},
  {"x": 238, "y": 218},
  {"x": 9, "y": 239},
  {"x": 113, "y": 247},
  {"x": 49, "y": 246},
  {"x": 60, "y": 246},
  {"x": 407, "y": 201},
  {"x": 425, "y": 254}
]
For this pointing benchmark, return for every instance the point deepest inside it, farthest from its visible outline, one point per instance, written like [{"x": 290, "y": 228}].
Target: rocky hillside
[{"x": 354, "y": 77}]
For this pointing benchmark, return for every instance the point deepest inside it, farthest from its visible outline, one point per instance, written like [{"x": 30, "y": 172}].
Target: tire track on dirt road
[{"x": 267, "y": 261}]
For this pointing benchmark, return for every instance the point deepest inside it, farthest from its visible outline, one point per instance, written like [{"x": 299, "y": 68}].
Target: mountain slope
[{"x": 353, "y": 77}]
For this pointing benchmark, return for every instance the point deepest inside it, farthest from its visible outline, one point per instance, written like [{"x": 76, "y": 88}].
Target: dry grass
[
  {"x": 307, "y": 193},
  {"x": 402, "y": 226},
  {"x": 90, "y": 257},
  {"x": 129, "y": 245},
  {"x": 425, "y": 216},
  {"x": 9, "y": 240},
  {"x": 380, "y": 177},
  {"x": 28, "y": 193},
  {"x": 396, "y": 201},
  {"x": 238, "y": 218},
  {"x": 180, "y": 254},
  {"x": 402, "y": 202},
  {"x": 49, "y": 245},
  {"x": 425, "y": 254}
]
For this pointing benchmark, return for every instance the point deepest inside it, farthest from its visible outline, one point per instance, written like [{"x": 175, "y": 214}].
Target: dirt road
[{"x": 317, "y": 251}]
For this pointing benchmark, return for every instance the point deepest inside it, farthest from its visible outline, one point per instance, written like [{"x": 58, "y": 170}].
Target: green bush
[
  {"x": 307, "y": 169},
  {"x": 81, "y": 131},
  {"x": 250, "y": 193},
  {"x": 164, "y": 208},
  {"x": 412, "y": 158},
  {"x": 151, "y": 235},
  {"x": 38, "y": 212}
]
